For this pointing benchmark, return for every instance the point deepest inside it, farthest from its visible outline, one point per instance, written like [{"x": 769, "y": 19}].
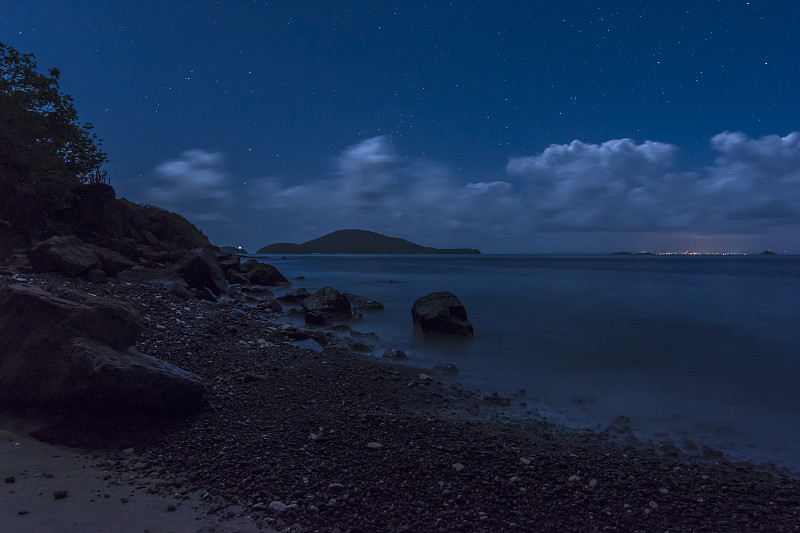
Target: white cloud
[
  {"x": 600, "y": 193},
  {"x": 193, "y": 184}
]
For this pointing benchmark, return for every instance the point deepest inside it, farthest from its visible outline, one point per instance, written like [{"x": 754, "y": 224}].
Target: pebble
[
  {"x": 653, "y": 505},
  {"x": 335, "y": 486},
  {"x": 425, "y": 378},
  {"x": 574, "y": 478},
  {"x": 373, "y": 445},
  {"x": 524, "y": 460},
  {"x": 277, "y": 506},
  {"x": 458, "y": 467},
  {"x": 592, "y": 483}
]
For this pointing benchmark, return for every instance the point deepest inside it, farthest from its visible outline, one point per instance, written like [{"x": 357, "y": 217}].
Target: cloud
[
  {"x": 622, "y": 186},
  {"x": 372, "y": 187},
  {"x": 754, "y": 183},
  {"x": 193, "y": 184},
  {"x": 601, "y": 195}
]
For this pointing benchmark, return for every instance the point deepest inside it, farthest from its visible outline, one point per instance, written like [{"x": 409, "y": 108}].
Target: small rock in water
[
  {"x": 446, "y": 368},
  {"x": 425, "y": 378},
  {"x": 10, "y": 479},
  {"x": 395, "y": 354},
  {"x": 60, "y": 494},
  {"x": 458, "y": 467}
]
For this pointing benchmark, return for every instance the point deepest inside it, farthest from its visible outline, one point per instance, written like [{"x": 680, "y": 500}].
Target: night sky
[{"x": 513, "y": 126}]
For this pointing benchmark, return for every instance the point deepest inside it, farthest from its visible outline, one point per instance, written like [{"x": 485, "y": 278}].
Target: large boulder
[
  {"x": 200, "y": 270},
  {"x": 67, "y": 255},
  {"x": 264, "y": 274},
  {"x": 112, "y": 261},
  {"x": 56, "y": 352},
  {"x": 326, "y": 305},
  {"x": 441, "y": 313}
]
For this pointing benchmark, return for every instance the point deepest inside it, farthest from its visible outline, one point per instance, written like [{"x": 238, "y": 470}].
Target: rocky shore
[{"x": 294, "y": 439}]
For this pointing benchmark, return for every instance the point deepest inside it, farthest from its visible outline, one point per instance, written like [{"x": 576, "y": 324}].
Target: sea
[{"x": 696, "y": 350}]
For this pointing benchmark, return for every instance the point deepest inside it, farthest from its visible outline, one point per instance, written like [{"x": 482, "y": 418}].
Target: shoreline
[{"x": 312, "y": 441}]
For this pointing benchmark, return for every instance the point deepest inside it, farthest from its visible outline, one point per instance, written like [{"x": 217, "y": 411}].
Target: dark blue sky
[{"x": 509, "y": 126}]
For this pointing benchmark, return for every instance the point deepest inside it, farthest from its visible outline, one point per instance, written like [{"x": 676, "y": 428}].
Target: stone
[
  {"x": 264, "y": 274},
  {"x": 325, "y": 305},
  {"x": 65, "y": 255},
  {"x": 294, "y": 297},
  {"x": 458, "y": 467},
  {"x": 200, "y": 270},
  {"x": 6, "y": 239},
  {"x": 441, "y": 313},
  {"x": 373, "y": 445},
  {"x": 395, "y": 354},
  {"x": 97, "y": 276},
  {"x": 59, "y": 352},
  {"x": 112, "y": 262},
  {"x": 278, "y": 506},
  {"x": 446, "y": 368},
  {"x": 360, "y": 304}
]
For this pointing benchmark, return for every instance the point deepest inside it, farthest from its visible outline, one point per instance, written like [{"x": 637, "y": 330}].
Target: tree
[
  {"x": 41, "y": 138},
  {"x": 45, "y": 152}
]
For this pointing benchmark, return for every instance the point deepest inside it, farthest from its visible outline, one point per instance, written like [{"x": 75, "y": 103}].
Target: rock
[
  {"x": 278, "y": 506},
  {"x": 458, "y": 467},
  {"x": 441, "y": 313},
  {"x": 495, "y": 399},
  {"x": 395, "y": 354},
  {"x": 264, "y": 274},
  {"x": 6, "y": 238},
  {"x": 66, "y": 255},
  {"x": 373, "y": 445},
  {"x": 446, "y": 368},
  {"x": 200, "y": 270},
  {"x": 60, "y": 494},
  {"x": 112, "y": 262},
  {"x": 97, "y": 276},
  {"x": 57, "y": 352},
  {"x": 236, "y": 278},
  {"x": 360, "y": 304},
  {"x": 325, "y": 305},
  {"x": 294, "y": 297}
]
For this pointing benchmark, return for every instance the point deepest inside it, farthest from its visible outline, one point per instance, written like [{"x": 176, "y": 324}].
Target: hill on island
[{"x": 355, "y": 241}]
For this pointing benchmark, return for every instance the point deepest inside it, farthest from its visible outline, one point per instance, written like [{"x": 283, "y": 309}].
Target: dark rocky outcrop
[
  {"x": 326, "y": 305},
  {"x": 66, "y": 255},
  {"x": 441, "y": 313},
  {"x": 59, "y": 352},
  {"x": 200, "y": 270},
  {"x": 264, "y": 274}
]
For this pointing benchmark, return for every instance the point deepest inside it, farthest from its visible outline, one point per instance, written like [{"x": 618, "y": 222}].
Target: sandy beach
[{"x": 300, "y": 440}]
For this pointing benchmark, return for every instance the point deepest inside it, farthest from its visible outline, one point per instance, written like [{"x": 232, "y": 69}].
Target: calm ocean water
[{"x": 700, "y": 348}]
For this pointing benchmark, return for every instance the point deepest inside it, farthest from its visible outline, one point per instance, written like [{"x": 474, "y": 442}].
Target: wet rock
[
  {"x": 360, "y": 304},
  {"x": 294, "y": 297},
  {"x": 326, "y": 305},
  {"x": 446, "y": 368},
  {"x": 441, "y": 313},
  {"x": 395, "y": 354},
  {"x": 264, "y": 274}
]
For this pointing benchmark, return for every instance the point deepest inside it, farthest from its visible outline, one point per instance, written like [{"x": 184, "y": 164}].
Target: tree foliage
[{"x": 42, "y": 143}]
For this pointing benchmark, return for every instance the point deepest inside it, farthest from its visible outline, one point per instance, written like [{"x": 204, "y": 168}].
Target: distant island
[{"x": 356, "y": 241}]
